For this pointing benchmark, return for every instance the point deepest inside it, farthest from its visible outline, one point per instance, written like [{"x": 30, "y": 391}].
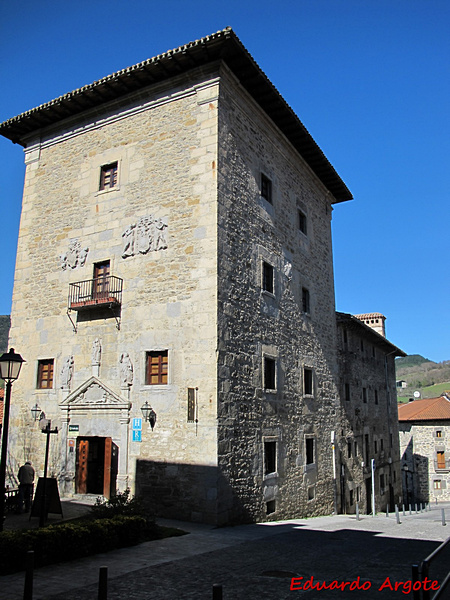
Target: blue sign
[
  {"x": 137, "y": 436},
  {"x": 137, "y": 424}
]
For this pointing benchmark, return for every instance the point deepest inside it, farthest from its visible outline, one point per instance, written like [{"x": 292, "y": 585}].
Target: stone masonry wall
[
  {"x": 254, "y": 324},
  {"x": 420, "y": 441},
  {"x": 165, "y": 142},
  {"x": 369, "y": 421}
]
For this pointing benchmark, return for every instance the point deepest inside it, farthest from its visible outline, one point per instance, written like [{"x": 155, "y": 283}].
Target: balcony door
[{"x": 101, "y": 280}]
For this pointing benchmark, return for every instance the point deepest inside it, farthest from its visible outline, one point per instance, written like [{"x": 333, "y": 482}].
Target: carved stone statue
[
  {"x": 96, "y": 352},
  {"x": 148, "y": 235},
  {"x": 128, "y": 241},
  {"x": 67, "y": 372},
  {"x": 144, "y": 237},
  {"x": 287, "y": 270},
  {"x": 126, "y": 369},
  {"x": 75, "y": 256},
  {"x": 161, "y": 241}
]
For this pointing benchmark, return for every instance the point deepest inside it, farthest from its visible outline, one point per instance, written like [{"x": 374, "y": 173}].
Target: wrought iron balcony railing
[{"x": 101, "y": 292}]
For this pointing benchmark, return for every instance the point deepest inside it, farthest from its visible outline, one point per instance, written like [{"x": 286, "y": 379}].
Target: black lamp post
[{"x": 10, "y": 365}]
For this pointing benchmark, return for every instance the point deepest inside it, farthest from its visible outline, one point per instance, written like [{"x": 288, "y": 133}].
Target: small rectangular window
[
  {"x": 376, "y": 396},
  {"x": 302, "y": 222},
  {"x": 351, "y": 498},
  {"x": 345, "y": 337},
  {"x": 269, "y": 373},
  {"x": 347, "y": 392},
  {"x": 45, "y": 374},
  {"x": 382, "y": 481},
  {"x": 438, "y": 433},
  {"x": 268, "y": 277},
  {"x": 309, "y": 448},
  {"x": 364, "y": 394},
  {"x": 305, "y": 301},
  {"x": 381, "y": 445},
  {"x": 308, "y": 381},
  {"x": 375, "y": 446},
  {"x": 270, "y": 457},
  {"x": 270, "y": 507},
  {"x": 266, "y": 188},
  {"x": 192, "y": 405},
  {"x": 156, "y": 368},
  {"x": 108, "y": 176},
  {"x": 437, "y": 484},
  {"x": 349, "y": 449},
  {"x": 356, "y": 449}
]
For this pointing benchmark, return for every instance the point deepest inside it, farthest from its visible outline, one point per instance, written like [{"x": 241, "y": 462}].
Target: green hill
[
  {"x": 423, "y": 375},
  {"x": 412, "y": 360}
]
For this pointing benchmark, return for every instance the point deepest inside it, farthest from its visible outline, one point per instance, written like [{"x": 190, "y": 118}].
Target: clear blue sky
[{"x": 369, "y": 79}]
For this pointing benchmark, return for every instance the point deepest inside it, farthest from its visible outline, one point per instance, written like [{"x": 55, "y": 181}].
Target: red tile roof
[{"x": 428, "y": 409}]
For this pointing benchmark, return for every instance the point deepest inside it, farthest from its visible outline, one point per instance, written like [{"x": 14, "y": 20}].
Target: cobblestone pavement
[{"x": 255, "y": 561}]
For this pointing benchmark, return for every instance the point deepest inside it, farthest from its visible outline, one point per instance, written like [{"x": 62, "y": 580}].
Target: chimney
[{"x": 374, "y": 320}]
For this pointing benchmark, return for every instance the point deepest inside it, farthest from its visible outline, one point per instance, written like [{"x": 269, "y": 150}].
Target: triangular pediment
[{"x": 93, "y": 393}]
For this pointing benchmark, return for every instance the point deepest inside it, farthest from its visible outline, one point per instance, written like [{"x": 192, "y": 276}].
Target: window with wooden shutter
[
  {"x": 157, "y": 367},
  {"x": 108, "y": 176},
  {"x": 440, "y": 459},
  {"x": 45, "y": 374}
]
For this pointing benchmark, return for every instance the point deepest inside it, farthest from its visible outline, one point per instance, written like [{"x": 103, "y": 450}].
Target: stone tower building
[{"x": 175, "y": 261}]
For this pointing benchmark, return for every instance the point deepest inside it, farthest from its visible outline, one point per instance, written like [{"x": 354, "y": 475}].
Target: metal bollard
[
  {"x": 410, "y": 510},
  {"x": 387, "y": 510},
  {"x": 397, "y": 516},
  {"x": 415, "y": 578},
  {"x": 443, "y": 517},
  {"x": 404, "y": 514},
  {"x": 357, "y": 511},
  {"x": 217, "y": 592},
  {"x": 28, "y": 587},
  {"x": 103, "y": 583}
]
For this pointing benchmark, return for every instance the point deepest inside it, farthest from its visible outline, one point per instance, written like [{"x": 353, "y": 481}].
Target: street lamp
[
  {"x": 35, "y": 412},
  {"x": 10, "y": 365}
]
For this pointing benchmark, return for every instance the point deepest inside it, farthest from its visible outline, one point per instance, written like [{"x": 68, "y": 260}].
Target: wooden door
[
  {"x": 101, "y": 279},
  {"x": 82, "y": 466},
  {"x": 110, "y": 468},
  {"x": 107, "y": 468}
]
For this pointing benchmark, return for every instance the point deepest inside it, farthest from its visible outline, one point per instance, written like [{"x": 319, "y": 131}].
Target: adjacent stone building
[
  {"x": 175, "y": 264},
  {"x": 369, "y": 413},
  {"x": 425, "y": 449}
]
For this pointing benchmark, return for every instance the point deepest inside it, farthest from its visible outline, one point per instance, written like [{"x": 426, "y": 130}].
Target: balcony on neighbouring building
[
  {"x": 442, "y": 465},
  {"x": 102, "y": 292}
]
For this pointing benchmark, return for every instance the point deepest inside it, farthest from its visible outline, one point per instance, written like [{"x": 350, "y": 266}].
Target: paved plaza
[{"x": 256, "y": 561}]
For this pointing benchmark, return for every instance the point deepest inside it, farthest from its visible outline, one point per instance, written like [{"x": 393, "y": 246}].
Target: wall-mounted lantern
[{"x": 149, "y": 414}]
